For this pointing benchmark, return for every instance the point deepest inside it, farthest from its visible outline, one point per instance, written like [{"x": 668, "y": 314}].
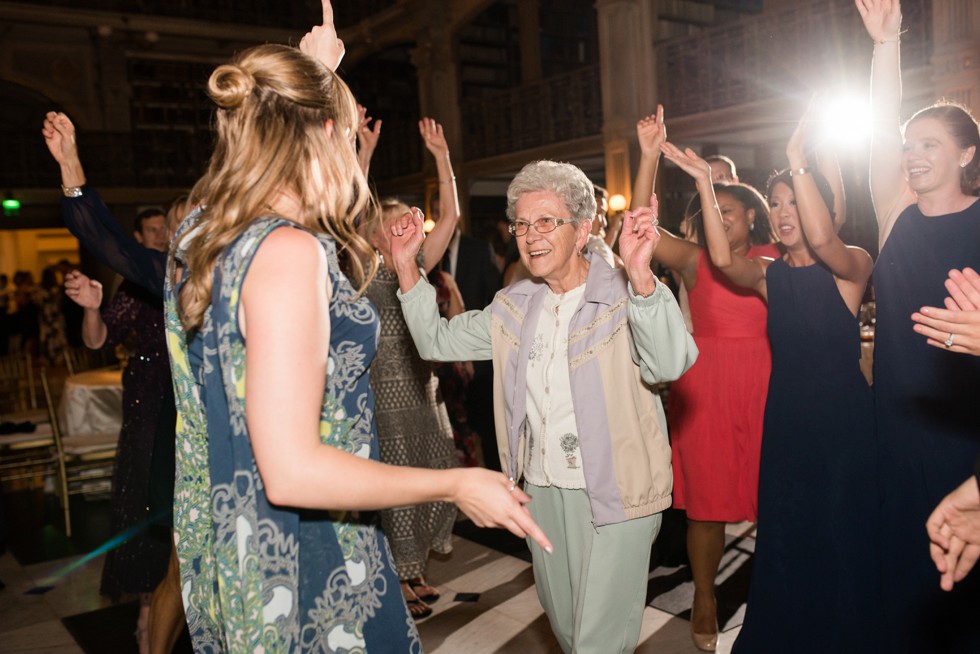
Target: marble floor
[{"x": 505, "y": 616}]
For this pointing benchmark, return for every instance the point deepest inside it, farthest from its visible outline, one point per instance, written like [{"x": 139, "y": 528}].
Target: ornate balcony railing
[
  {"x": 557, "y": 109},
  {"x": 793, "y": 51}
]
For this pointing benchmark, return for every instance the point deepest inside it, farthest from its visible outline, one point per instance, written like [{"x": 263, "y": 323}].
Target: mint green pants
[{"x": 593, "y": 588}]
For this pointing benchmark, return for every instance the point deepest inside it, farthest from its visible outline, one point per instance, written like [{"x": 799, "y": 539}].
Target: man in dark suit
[{"x": 470, "y": 261}]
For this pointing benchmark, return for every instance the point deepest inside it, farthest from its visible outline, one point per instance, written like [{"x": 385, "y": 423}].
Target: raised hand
[
  {"x": 322, "y": 42},
  {"x": 637, "y": 242},
  {"x": 367, "y": 138},
  {"x": 435, "y": 140},
  {"x": 882, "y": 18},
  {"x": 688, "y": 161},
  {"x": 651, "y": 132},
  {"x": 83, "y": 291},
  {"x": 59, "y": 136},
  {"x": 406, "y": 237}
]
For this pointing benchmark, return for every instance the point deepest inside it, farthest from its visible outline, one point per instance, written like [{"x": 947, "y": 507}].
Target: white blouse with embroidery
[{"x": 553, "y": 454}]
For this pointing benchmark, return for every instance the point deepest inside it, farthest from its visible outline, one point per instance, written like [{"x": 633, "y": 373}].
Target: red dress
[{"x": 715, "y": 410}]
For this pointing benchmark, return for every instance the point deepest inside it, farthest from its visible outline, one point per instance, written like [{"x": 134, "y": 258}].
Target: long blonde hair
[{"x": 273, "y": 105}]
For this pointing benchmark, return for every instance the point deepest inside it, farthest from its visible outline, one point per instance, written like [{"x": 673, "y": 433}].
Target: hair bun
[{"x": 230, "y": 85}]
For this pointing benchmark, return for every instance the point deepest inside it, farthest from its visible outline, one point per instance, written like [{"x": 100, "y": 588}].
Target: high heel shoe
[{"x": 705, "y": 642}]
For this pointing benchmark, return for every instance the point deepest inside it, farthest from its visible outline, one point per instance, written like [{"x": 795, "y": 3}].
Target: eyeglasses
[{"x": 541, "y": 225}]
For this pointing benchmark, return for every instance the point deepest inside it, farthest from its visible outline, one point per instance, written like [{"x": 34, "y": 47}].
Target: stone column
[
  {"x": 437, "y": 63},
  {"x": 529, "y": 27},
  {"x": 628, "y": 68}
]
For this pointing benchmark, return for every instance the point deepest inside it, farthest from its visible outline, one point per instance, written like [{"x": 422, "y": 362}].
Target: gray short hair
[{"x": 566, "y": 181}]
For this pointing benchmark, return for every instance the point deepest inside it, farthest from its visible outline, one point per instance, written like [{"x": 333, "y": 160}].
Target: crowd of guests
[
  {"x": 36, "y": 317},
  {"x": 302, "y": 318}
]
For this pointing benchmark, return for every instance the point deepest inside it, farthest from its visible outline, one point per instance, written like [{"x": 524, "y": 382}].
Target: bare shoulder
[{"x": 290, "y": 251}]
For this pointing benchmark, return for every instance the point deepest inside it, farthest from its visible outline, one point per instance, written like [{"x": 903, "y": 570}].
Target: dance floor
[{"x": 51, "y": 601}]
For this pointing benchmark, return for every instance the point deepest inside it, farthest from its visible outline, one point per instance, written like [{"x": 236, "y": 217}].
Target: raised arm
[
  {"x": 889, "y": 189},
  {"x": 87, "y": 293},
  {"x": 442, "y": 233},
  {"x": 464, "y": 338},
  {"x": 285, "y": 313},
  {"x": 851, "y": 264},
  {"x": 664, "y": 348},
  {"x": 674, "y": 253},
  {"x": 367, "y": 139},
  {"x": 90, "y": 221},
  {"x": 651, "y": 132},
  {"x": 748, "y": 273},
  {"x": 322, "y": 42}
]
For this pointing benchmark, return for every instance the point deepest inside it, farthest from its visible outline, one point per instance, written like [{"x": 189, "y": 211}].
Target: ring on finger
[
  {"x": 511, "y": 485},
  {"x": 949, "y": 340}
]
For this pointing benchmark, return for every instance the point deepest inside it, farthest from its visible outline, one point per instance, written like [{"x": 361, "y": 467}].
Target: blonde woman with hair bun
[{"x": 270, "y": 343}]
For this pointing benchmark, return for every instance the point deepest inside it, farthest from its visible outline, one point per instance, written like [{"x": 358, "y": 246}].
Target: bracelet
[
  {"x": 798, "y": 171},
  {"x": 897, "y": 39},
  {"x": 449, "y": 181},
  {"x": 71, "y": 191}
]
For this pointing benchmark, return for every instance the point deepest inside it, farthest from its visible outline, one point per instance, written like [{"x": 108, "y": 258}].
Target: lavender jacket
[{"x": 620, "y": 346}]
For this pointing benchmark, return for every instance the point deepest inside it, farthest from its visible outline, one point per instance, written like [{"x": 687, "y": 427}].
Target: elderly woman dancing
[{"x": 575, "y": 353}]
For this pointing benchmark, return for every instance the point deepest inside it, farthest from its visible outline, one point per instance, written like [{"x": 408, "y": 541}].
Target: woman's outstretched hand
[
  {"x": 434, "y": 139},
  {"x": 59, "y": 136},
  {"x": 882, "y": 18},
  {"x": 367, "y": 134},
  {"x": 83, "y": 291},
  {"x": 322, "y": 42},
  {"x": 637, "y": 242},
  {"x": 490, "y": 499},
  {"x": 406, "y": 235},
  {"x": 651, "y": 132},
  {"x": 688, "y": 161}
]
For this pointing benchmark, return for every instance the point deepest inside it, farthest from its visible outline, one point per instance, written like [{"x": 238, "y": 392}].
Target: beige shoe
[{"x": 705, "y": 642}]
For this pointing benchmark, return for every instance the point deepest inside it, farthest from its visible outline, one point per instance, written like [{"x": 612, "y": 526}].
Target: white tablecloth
[{"x": 90, "y": 412}]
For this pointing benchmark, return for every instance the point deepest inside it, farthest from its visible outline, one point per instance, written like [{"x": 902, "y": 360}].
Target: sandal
[
  {"x": 428, "y": 593},
  {"x": 418, "y": 609}
]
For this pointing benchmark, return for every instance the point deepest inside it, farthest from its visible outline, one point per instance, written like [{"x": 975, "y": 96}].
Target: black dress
[
  {"x": 926, "y": 407},
  {"x": 816, "y": 550},
  {"x": 142, "y": 483}
]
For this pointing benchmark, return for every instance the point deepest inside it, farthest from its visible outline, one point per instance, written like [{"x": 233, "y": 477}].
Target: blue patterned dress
[{"x": 257, "y": 577}]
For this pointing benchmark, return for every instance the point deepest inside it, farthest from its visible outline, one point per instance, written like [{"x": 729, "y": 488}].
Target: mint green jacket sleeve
[
  {"x": 464, "y": 338},
  {"x": 663, "y": 348}
]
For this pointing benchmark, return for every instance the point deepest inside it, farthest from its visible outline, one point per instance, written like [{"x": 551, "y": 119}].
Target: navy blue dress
[
  {"x": 926, "y": 403},
  {"x": 816, "y": 550}
]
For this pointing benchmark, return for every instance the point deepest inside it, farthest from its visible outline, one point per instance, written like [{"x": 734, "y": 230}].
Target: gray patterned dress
[
  {"x": 257, "y": 577},
  {"x": 413, "y": 430}
]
